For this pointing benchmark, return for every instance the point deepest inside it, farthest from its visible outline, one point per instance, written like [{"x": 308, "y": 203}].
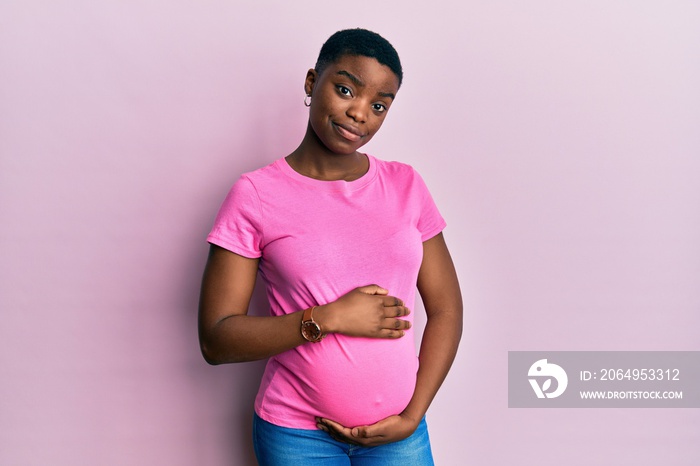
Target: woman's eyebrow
[{"x": 358, "y": 82}]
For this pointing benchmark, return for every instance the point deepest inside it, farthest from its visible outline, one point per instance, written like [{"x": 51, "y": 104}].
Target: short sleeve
[
  {"x": 430, "y": 222},
  {"x": 238, "y": 224}
]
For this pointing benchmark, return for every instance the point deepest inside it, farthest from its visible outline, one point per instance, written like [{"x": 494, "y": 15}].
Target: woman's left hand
[{"x": 391, "y": 429}]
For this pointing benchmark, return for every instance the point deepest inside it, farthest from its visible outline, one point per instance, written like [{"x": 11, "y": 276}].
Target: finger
[
  {"x": 364, "y": 436},
  {"x": 373, "y": 289},
  {"x": 390, "y": 333},
  {"x": 396, "y": 311},
  {"x": 363, "y": 432},
  {"x": 340, "y": 437},
  {"x": 391, "y": 301},
  {"x": 332, "y": 425},
  {"x": 396, "y": 324},
  {"x": 336, "y": 431}
]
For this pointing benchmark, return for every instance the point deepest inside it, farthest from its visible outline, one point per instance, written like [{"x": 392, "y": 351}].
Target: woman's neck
[{"x": 314, "y": 160}]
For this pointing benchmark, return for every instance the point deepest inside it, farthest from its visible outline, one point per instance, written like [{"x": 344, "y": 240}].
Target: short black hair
[{"x": 359, "y": 42}]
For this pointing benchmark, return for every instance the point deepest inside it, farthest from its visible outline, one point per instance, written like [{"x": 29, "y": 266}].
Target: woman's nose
[{"x": 357, "y": 111}]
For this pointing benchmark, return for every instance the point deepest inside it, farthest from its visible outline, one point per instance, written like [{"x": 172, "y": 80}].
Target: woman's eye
[
  {"x": 379, "y": 107},
  {"x": 344, "y": 90}
]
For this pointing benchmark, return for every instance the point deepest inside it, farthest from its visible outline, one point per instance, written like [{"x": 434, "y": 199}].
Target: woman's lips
[{"x": 348, "y": 132}]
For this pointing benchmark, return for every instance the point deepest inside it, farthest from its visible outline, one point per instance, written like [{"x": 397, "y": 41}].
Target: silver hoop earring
[{"x": 307, "y": 101}]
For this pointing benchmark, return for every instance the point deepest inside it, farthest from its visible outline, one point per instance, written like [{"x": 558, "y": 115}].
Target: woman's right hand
[{"x": 367, "y": 311}]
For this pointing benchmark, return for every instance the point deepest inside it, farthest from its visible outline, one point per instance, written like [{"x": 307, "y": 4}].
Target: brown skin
[
  {"x": 352, "y": 95},
  {"x": 350, "y": 100}
]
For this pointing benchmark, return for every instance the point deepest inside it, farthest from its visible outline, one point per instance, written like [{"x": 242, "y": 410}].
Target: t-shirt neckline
[{"x": 333, "y": 185}]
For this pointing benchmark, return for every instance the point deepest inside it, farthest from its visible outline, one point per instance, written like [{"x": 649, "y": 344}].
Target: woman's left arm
[{"x": 439, "y": 289}]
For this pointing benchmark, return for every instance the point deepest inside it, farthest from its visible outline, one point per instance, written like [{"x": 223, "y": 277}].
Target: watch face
[{"x": 311, "y": 331}]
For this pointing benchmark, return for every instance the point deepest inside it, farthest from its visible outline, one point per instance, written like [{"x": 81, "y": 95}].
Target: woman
[{"x": 342, "y": 240}]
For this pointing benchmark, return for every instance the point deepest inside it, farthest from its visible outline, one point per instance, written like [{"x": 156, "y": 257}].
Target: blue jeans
[{"x": 282, "y": 446}]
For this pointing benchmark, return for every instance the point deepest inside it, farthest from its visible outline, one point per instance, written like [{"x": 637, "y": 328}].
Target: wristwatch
[{"x": 310, "y": 330}]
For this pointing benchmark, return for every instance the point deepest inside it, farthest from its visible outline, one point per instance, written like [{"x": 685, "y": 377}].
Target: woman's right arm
[{"x": 227, "y": 334}]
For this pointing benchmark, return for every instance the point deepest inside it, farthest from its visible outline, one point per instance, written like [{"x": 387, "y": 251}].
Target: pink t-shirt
[{"x": 316, "y": 241}]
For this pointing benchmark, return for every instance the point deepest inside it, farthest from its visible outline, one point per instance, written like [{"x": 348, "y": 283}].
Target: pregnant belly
[{"x": 353, "y": 381}]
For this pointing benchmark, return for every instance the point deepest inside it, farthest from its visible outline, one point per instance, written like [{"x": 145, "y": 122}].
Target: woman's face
[{"x": 349, "y": 101}]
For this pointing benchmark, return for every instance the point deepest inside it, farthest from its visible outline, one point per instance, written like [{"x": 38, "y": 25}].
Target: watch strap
[{"x": 307, "y": 316}]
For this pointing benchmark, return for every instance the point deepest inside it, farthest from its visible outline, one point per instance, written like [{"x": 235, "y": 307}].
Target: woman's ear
[{"x": 310, "y": 80}]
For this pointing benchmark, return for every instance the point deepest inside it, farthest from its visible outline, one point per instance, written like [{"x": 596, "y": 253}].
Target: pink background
[{"x": 561, "y": 141}]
